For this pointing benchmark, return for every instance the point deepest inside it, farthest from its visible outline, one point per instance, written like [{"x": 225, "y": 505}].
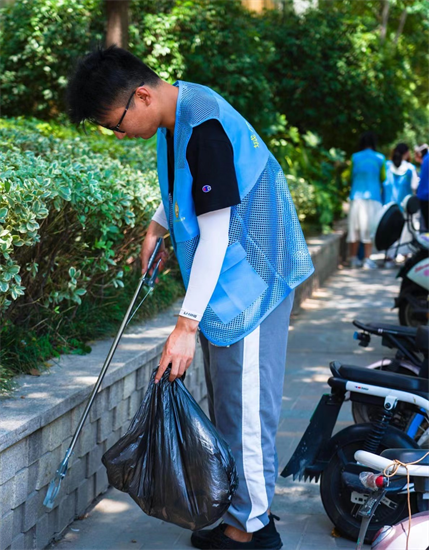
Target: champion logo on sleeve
[{"x": 206, "y": 188}]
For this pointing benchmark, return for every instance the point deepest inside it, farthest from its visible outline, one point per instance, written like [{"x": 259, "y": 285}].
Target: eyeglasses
[{"x": 116, "y": 128}]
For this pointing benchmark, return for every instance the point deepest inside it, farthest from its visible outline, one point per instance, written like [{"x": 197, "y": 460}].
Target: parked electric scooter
[
  {"x": 411, "y": 358},
  {"x": 409, "y": 533},
  {"x": 319, "y": 455},
  {"x": 412, "y": 301}
]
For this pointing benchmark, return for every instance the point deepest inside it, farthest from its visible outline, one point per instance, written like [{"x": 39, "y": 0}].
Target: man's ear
[{"x": 145, "y": 94}]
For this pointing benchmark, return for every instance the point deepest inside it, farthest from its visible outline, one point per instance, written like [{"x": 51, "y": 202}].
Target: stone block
[
  {"x": 33, "y": 474},
  {"x": 18, "y": 520},
  {"x": 76, "y": 415},
  {"x": 75, "y": 475},
  {"x": 144, "y": 374},
  {"x": 35, "y": 446},
  {"x": 18, "y": 542},
  {"x": 112, "y": 439},
  {"x": 56, "y": 432},
  {"x": 120, "y": 415},
  {"x": 31, "y": 510},
  {"x": 115, "y": 394},
  {"x": 135, "y": 401},
  {"x": 29, "y": 538},
  {"x": 6, "y": 529},
  {"x": 7, "y": 496},
  {"x": 100, "y": 405},
  {"x": 105, "y": 425},
  {"x": 94, "y": 460},
  {"x": 46, "y": 527},
  {"x": 13, "y": 459},
  {"x": 124, "y": 429},
  {"x": 85, "y": 495},
  {"x": 66, "y": 511},
  {"x": 129, "y": 385},
  {"x": 87, "y": 439},
  {"x": 101, "y": 481},
  {"x": 47, "y": 467},
  {"x": 21, "y": 487}
]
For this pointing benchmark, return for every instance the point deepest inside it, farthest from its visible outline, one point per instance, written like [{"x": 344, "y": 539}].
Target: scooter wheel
[
  {"x": 337, "y": 497},
  {"x": 407, "y": 316}
]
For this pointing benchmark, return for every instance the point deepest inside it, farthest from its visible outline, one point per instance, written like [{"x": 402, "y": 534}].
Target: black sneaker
[
  {"x": 219, "y": 541},
  {"x": 267, "y": 538}
]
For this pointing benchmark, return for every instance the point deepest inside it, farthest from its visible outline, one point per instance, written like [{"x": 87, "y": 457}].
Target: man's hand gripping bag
[{"x": 172, "y": 461}]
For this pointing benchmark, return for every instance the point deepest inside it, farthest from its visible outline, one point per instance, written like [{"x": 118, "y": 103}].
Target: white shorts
[{"x": 363, "y": 215}]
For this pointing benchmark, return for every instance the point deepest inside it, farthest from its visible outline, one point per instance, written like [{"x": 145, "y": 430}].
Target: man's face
[{"x": 142, "y": 119}]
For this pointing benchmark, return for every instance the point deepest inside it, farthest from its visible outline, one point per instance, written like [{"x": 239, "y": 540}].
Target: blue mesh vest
[
  {"x": 267, "y": 255},
  {"x": 366, "y": 182},
  {"x": 396, "y": 186}
]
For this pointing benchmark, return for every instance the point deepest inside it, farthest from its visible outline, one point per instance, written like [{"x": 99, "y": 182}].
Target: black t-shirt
[{"x": 211, "y": 161}]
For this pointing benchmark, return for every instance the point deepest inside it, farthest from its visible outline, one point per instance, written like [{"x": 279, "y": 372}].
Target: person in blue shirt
[
  {"x": 368, "y": 171},
  {"x": 423, "y": 188},
  {"x": 401, "y": 176},
  {"x": 401, "y": 181}
]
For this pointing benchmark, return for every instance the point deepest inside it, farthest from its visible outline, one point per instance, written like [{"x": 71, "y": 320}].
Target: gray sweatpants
[{"x": 245, "y": 388}]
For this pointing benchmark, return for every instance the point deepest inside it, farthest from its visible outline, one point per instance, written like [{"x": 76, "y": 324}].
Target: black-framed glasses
[{"x": 116, "y": 128}]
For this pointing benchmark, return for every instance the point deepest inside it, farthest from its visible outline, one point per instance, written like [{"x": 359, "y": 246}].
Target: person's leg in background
[
  {"x": 353, "y": 234},
  {"x": 368, "y": 215},
  {"x": 246, "y": 381}
]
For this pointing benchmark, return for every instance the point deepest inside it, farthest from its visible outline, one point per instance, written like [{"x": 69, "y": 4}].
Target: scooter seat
[
  {"x": 374, "y": 377},
  {"x": 379, "y": 328},
  {"x": 407, "y": 455}
]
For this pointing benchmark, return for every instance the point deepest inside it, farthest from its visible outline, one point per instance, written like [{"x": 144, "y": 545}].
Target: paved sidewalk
[{"x": 320, "y": 333}]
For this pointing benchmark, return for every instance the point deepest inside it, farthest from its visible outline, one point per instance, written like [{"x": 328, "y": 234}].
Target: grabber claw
[{"x": 54, "y": 486}]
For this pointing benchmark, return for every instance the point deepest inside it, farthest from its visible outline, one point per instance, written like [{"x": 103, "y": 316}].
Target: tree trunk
[
  {"x": 384, "y": 20},
  {"x": 401, "y": 25},
  {"x": 117, "y": 23}
]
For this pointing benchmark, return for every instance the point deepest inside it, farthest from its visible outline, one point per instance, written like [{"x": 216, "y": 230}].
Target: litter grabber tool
[{"x": 147, "y": 280}]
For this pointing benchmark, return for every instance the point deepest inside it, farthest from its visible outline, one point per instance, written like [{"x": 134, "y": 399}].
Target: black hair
[
  {"x": 368, "y": 140},
  {"x": 424, "y": 152},
  {"x": 102, "y": 79},
  {"x": 398, "y": 152}
]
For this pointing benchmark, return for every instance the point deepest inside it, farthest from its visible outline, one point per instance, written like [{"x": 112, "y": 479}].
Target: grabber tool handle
[
  {"x": 114, "y": 346},
  {"x": 153, "y": 256},
  {"x": 62, "y": 469}
]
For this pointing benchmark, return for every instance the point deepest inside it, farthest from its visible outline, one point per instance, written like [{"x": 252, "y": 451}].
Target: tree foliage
[
  {"x": 337, "y": 70},
  {"x": 39, "y": 41}
]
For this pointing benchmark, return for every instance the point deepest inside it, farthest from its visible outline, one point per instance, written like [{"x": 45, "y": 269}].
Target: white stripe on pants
[{"x": 245, "y": 388}]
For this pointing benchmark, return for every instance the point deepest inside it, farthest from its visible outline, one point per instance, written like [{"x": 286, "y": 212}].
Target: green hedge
[{"x": 73, "y": 214}]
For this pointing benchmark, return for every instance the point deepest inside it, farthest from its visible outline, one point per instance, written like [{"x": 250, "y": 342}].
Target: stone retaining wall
[{"x": 38, "y": 421}]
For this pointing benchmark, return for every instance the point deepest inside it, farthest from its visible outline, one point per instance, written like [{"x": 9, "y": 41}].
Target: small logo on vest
[
  {"x": 176, "y": 210},
  {"x": 254, "y": 141},
  {"x": 206, "y": 188}
]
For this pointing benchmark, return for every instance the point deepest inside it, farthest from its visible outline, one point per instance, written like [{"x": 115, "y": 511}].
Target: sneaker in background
[
  {"x": 369, "y": 264},
  {"x": 355, "y": 262}
]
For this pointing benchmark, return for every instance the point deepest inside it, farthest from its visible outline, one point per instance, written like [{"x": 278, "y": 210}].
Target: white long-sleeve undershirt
[
  {"x": 160, "y": 217},
  {"x": 208, "y": 259}
]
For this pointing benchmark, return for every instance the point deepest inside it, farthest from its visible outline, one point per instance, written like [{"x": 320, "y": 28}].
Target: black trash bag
[{"x": 172, "y": 461}]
